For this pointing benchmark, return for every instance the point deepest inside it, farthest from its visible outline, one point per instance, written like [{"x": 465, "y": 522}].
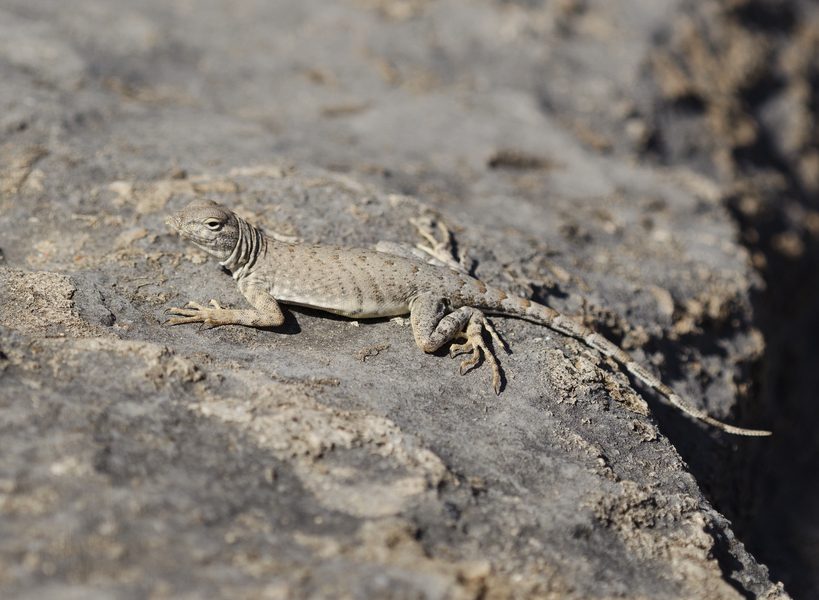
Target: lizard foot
[
  {"x": 476, "y": 344},
  {"x": 442, "y": 251},
  {"x": 193, "y": 312}
]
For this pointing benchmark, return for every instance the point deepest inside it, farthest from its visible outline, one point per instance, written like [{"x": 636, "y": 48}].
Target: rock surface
[{"x": 331, "y": 458}]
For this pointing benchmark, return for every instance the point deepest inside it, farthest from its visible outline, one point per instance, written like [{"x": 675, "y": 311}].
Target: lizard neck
[{"x": 250, "y": 245}]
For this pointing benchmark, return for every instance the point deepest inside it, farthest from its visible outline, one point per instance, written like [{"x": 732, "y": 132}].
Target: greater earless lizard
[{"x": 444, "y": 303}]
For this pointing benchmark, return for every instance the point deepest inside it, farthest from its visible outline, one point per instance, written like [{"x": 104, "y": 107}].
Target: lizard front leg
[
  {"x": 267, "y": 312},
  {"x": 433, "y": 328}
]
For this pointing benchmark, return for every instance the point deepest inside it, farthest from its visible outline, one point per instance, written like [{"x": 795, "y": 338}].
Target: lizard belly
[{"x": 348, "y": 306}]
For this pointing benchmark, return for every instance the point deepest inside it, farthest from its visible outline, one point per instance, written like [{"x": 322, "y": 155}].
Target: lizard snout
[{"x": 174, "y": 221}]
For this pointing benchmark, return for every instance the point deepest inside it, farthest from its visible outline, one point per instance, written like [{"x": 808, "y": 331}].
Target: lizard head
[{"x": 210, "y": 226}]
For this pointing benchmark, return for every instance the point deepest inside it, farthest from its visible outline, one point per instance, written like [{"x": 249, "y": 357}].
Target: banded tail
[{"x": 543, "y": 315}]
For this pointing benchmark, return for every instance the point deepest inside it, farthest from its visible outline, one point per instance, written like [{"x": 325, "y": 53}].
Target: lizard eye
[{"x": 213, "y": 224}]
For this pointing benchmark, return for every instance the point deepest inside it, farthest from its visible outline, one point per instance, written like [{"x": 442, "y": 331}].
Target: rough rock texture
[
  {"x": 330, "y": 458},
  {"x": 740, "y": 86}
]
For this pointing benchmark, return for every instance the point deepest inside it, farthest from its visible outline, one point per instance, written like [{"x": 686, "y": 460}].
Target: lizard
[{"x": 444, "y": 303}]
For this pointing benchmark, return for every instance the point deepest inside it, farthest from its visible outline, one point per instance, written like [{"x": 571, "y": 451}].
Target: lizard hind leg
[
  {"x": 476, "y": 345},
  {"x": 433, "y": 327}
]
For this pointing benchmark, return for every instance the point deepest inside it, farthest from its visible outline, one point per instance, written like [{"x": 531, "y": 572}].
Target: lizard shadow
[
  {"x": 710, "y": 455},
  {"x": 714, "y": 341},
  {"x": 323, "y": 315},
  {"x": 542, "y": 293},
  {"x": 292, "y": 311},
  {"x": 291, "y": 327}
]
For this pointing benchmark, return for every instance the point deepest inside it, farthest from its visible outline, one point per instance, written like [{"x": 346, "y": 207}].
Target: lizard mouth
[{"x": 177, "y": 223}]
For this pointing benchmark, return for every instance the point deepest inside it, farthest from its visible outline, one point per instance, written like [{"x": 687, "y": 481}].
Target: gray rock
[{"x": 330, "y": 458}]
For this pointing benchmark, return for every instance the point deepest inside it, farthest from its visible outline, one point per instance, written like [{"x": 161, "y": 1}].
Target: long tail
[{"x": 552, "y": 319}]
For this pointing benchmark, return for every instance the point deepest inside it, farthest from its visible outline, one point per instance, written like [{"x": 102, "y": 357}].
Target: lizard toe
[
  {"x": 183, "y": 319},
  {"x": 488, "y": 326},
  {"x": 490, "y": 358},
  {"x": 467, "y": 364},
  {"x": 456, "y": 349}
]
